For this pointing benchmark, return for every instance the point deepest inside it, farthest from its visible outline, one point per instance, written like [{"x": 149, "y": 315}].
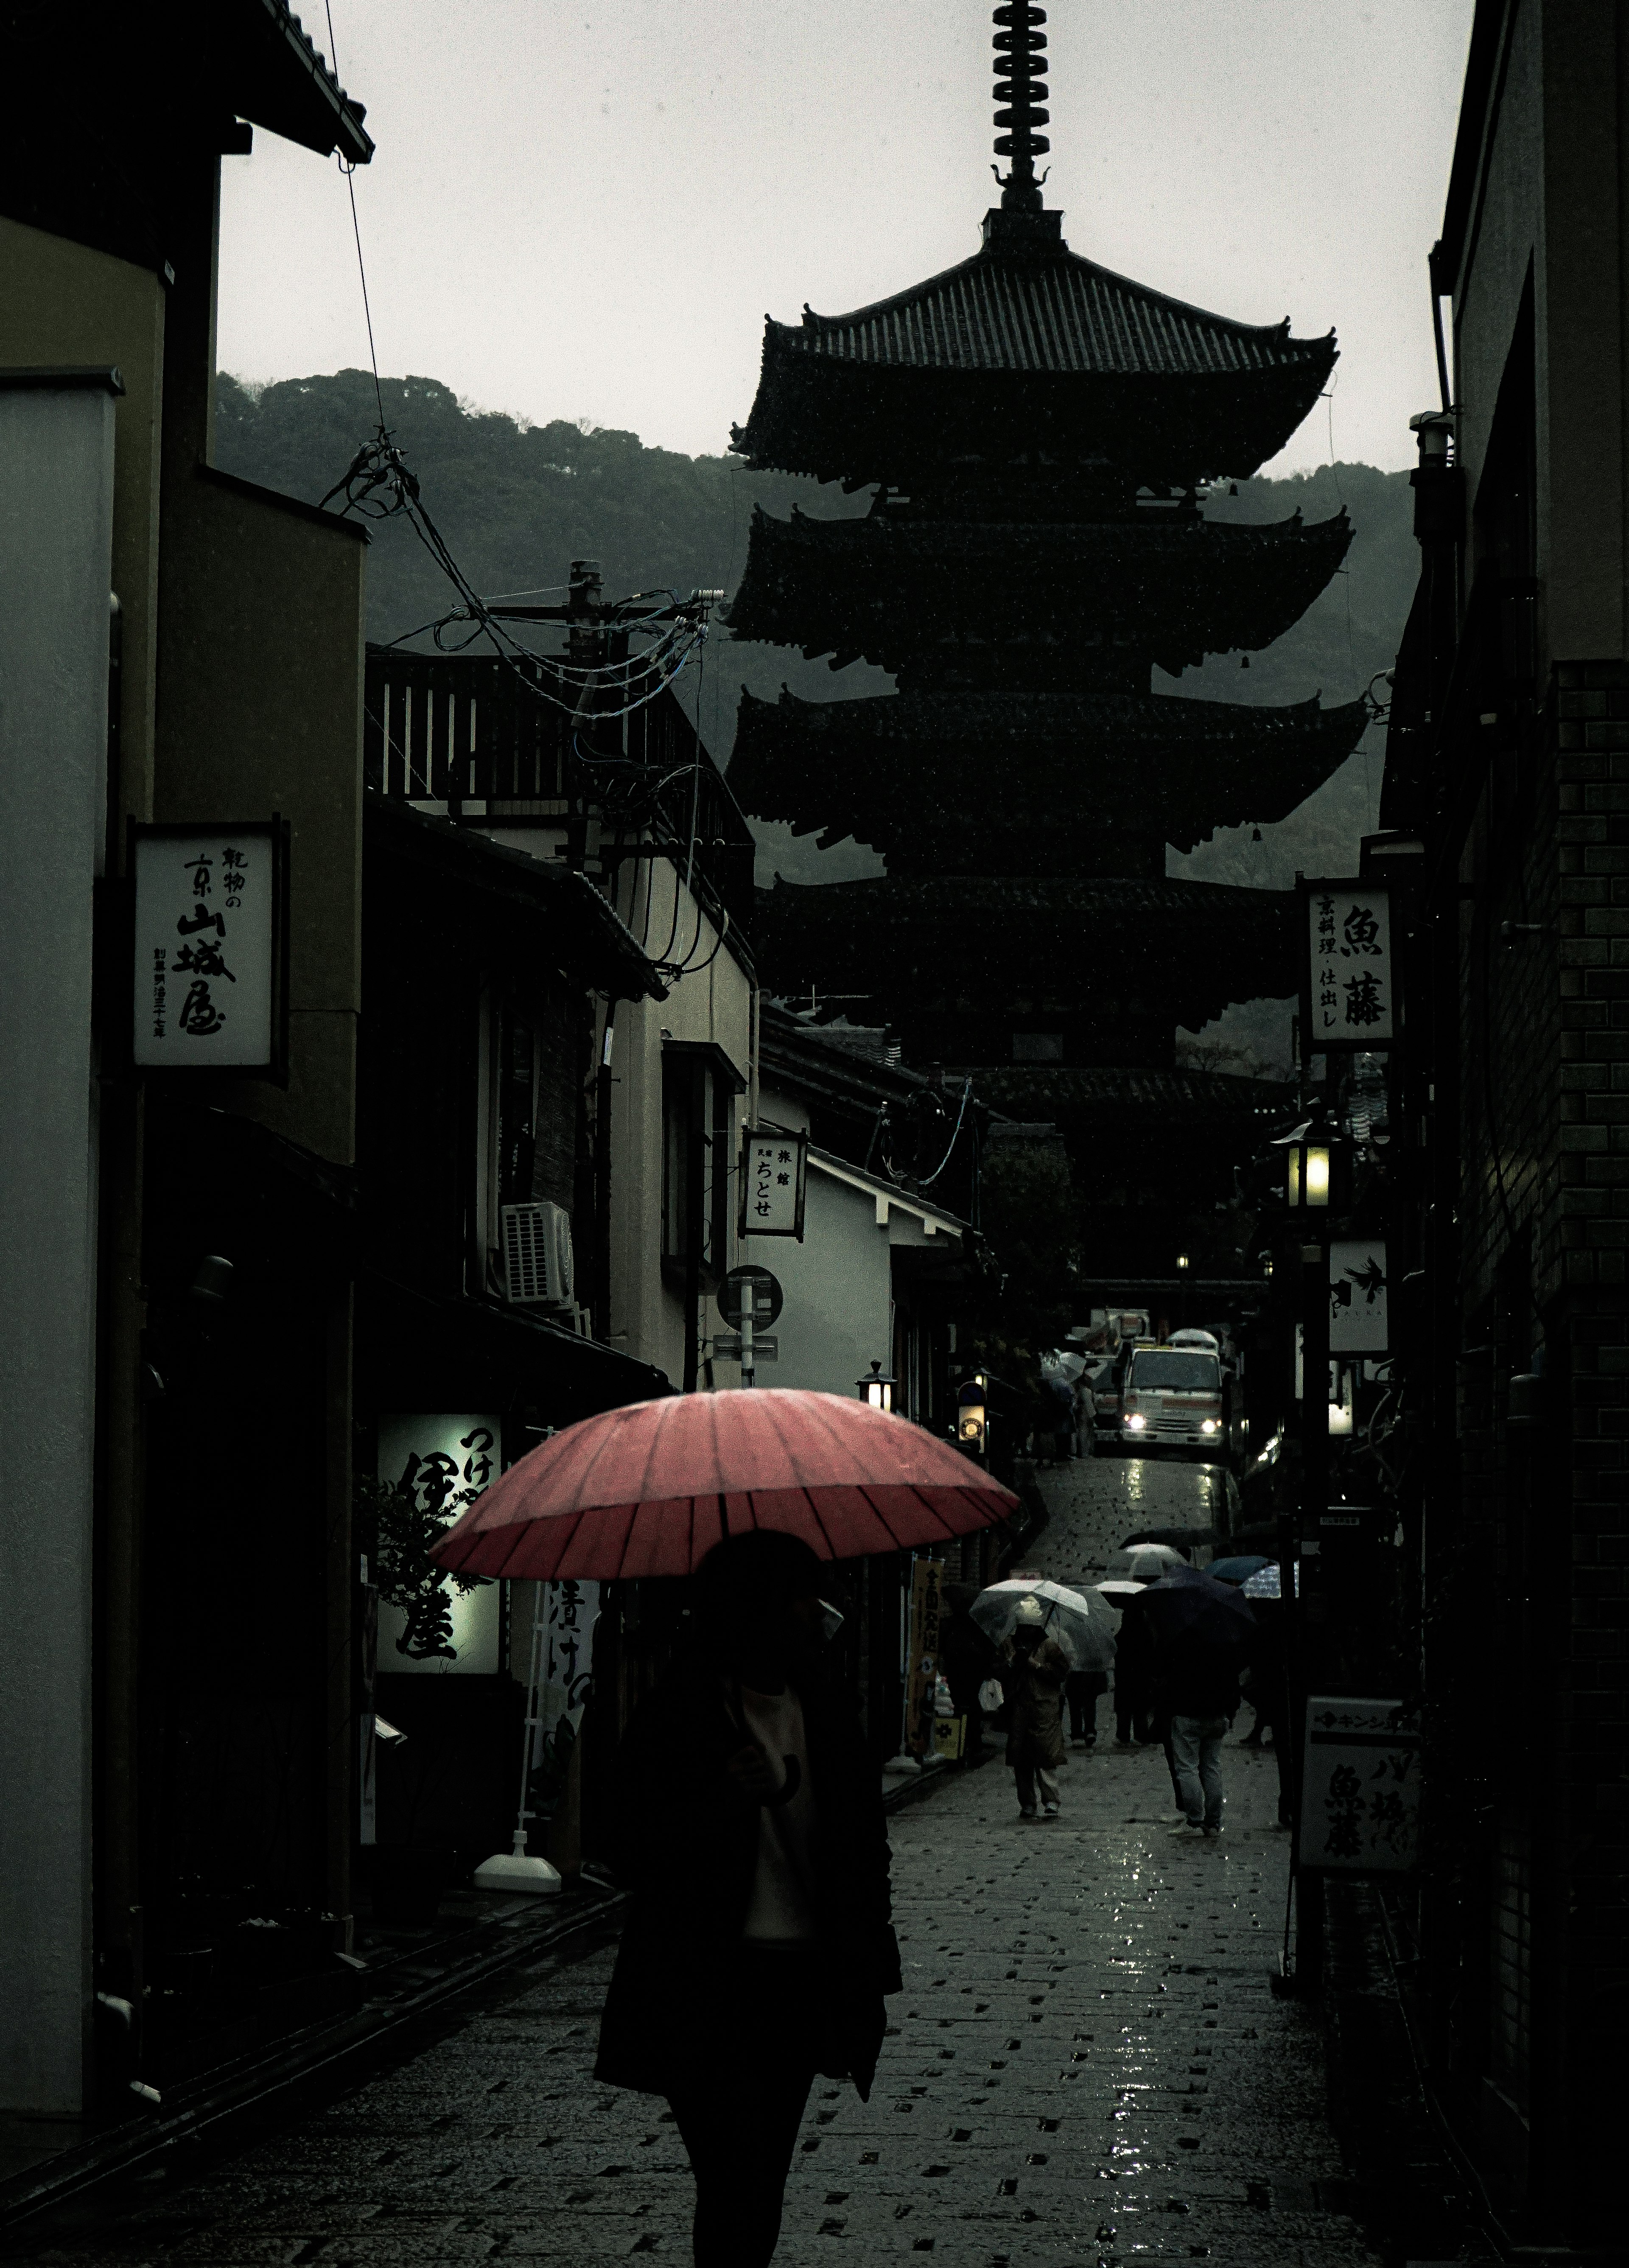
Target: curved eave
[
  {"x": 1194, "y": 945},
  {"x": 892, "y": 589},
  {"x": 837, "y": 419},
  {"x": 1121, "y": 1102},
  {"x": 1058, "y": 312},
  {"x": 871, "y": 770}
]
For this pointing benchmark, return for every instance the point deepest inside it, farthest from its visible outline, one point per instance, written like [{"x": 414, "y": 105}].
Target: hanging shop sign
[
  {"x": 1359, "y": 1809},
  {"x": 773, "y": 1177},
  {"x": 1348, "y": 984},
  {"x": 440, "y": 1464},
  {"x": 211, "y": 945},
  {"x": 1358, "y": 1318}
]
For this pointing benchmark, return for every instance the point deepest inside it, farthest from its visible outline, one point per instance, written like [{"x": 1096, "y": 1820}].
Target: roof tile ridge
[
  {"x": 1266, "y": 332},
  {"x": 815, "y": 323}
]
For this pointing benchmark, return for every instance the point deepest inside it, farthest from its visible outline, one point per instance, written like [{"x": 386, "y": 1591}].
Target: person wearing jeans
[
  {"x": 1199, "y": 1685},
  {"x": 1196, "y": 1760}
]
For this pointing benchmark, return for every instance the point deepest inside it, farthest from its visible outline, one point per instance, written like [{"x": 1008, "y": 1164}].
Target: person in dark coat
[
  {"x": 1032, "y": 1671},
  {"x": 746, "y": 1826},
  {"x": 1134, "y": 1692}
]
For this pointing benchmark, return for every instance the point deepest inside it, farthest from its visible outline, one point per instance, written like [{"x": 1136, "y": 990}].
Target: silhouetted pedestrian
[{"x": 747, "y": 1828}]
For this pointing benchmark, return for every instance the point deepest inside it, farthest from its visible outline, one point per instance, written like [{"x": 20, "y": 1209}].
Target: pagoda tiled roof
[
  {"x": 1058, "y": 313},
  {"x": 1026, "y": 348},
  {"x": 1192, "y": 947},
  {"x": 1161, "y": 1101},
  {"x": 1159, "y": 586},
  {"x": 916, "y": 770}
]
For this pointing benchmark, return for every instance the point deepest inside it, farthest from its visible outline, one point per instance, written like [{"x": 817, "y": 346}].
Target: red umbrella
[{"x": 649, "y": 1490}]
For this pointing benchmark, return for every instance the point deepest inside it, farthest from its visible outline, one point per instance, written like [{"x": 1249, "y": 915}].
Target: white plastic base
[{"x": 511, "y": 1870}]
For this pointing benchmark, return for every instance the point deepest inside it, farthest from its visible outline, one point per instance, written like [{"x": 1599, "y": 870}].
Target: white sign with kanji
[
  {"x": 772, "y": 1172},
  {"x": 1359, "y": 1809},
  {"x": 1351, "y": 996},
  {"x": 1358, "y": 1318},
  {"x": 205, "y": 949},
  {"x": 443, "y": 1463}
]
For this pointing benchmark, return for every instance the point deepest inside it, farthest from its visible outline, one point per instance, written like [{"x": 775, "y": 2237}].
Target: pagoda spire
[{"x": 1019, "y": 90}]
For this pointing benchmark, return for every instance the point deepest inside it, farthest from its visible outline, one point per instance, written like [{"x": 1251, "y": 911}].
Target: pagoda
[{"x": 1039, "y": 435}]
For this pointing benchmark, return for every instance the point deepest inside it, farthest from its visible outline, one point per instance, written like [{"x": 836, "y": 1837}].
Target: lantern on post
[
  {"x": 878, "y": 1390},
  {"x": 972, "y": 1424},
  {"x": 1316, "y": 1158}
]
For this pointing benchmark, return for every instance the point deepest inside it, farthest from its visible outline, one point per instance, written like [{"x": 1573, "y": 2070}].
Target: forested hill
[{"x": 517, "y": 502}]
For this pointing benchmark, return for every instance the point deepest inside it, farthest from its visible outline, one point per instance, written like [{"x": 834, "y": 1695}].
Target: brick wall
[{"x": 1543, "y": 1544}]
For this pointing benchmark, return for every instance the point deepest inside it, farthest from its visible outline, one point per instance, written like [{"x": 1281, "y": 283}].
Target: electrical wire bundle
[{"x": 380, "y": 484}]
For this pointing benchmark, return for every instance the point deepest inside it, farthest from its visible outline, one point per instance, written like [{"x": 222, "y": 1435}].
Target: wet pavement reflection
[{"x": 1088, "y": 2063}]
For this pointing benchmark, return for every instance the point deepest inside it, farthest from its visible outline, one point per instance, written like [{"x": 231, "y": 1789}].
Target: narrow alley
[{"x": 1088, "y": 2063}]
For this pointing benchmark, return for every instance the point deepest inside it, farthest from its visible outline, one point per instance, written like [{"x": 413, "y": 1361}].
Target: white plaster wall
[
  {"x": 712, "y": 1002},
  {"x": 837, "y": 1317},
  {"x": 56, "y": 465}
]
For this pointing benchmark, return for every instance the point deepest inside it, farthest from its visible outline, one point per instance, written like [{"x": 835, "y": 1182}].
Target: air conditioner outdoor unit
[{"x": 537, "y": 1255}]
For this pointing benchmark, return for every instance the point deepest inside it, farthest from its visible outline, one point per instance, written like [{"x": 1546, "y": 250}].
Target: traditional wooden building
[{"x": 1040, "y": 434}]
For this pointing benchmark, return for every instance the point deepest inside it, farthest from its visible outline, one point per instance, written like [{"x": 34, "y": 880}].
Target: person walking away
[
  {"x": 1034, "y": 1668},
  {"x": 1201, "y": 1695},
  {"x": 747, "y": 1827},
  {"x": 1083, "y": 1687}
]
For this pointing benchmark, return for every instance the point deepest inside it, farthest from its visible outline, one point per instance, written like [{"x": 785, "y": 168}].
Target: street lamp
[
  {"x": 1182, "y": 1261},
  {"x": 970, "y": 1418},
  {"x": 878, "y": 1390},
  {"x": 1312, "y": 1163}
]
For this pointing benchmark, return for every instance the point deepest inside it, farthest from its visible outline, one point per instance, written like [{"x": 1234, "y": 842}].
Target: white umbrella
[
  {"x": 1082, "y": 1623},
  {"x": 1144, "y": 1563}
]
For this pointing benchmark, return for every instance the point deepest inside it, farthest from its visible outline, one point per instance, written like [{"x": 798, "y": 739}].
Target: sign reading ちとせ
[{"x": 772, "y": 1184}]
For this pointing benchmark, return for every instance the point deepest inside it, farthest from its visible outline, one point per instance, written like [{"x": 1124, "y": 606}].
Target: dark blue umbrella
[
  {"x": 1195, "y": 1609},
  {"x": 1239, "y": 1569}
]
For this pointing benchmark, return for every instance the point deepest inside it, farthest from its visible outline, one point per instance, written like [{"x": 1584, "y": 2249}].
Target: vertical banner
[
  {"x": 921, "y": 1659},
  {"x": 571, "y": 1610},
  {"x": 210, "y": 935},
  {"x": 1357, "y": 1318},
  {"x": 772, "y": 1179},
  {"x": 1348, "y": 989}
]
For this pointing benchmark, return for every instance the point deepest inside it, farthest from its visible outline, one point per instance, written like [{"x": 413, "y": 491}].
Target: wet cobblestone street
[{"x": 1088, "y": 2064}]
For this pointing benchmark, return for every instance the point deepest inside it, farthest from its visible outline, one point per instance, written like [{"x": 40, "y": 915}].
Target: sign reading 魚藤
[
  {"x": 1357, "y": 1318},
  {"x": 1360, "y": 1811},
  {"x": 1349, "y": 995},
  {"x": 209, "y": 994},
  {"x": 772, "y": 1184}
]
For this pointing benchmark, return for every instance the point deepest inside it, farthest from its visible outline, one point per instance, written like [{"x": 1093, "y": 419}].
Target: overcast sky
[{"x": 585, "y": 211}]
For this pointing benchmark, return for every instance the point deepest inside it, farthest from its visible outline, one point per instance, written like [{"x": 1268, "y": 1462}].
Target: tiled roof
[
  {"x": 983, "y": 779},
  {"x": 1059, "y": 313},
  {"x": 1158, "y": 587},
  {"x": 1167, "y": 1098}
]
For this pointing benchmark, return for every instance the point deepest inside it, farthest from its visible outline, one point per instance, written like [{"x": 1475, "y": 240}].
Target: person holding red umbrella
[{"x": 747, "y": 1828}]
